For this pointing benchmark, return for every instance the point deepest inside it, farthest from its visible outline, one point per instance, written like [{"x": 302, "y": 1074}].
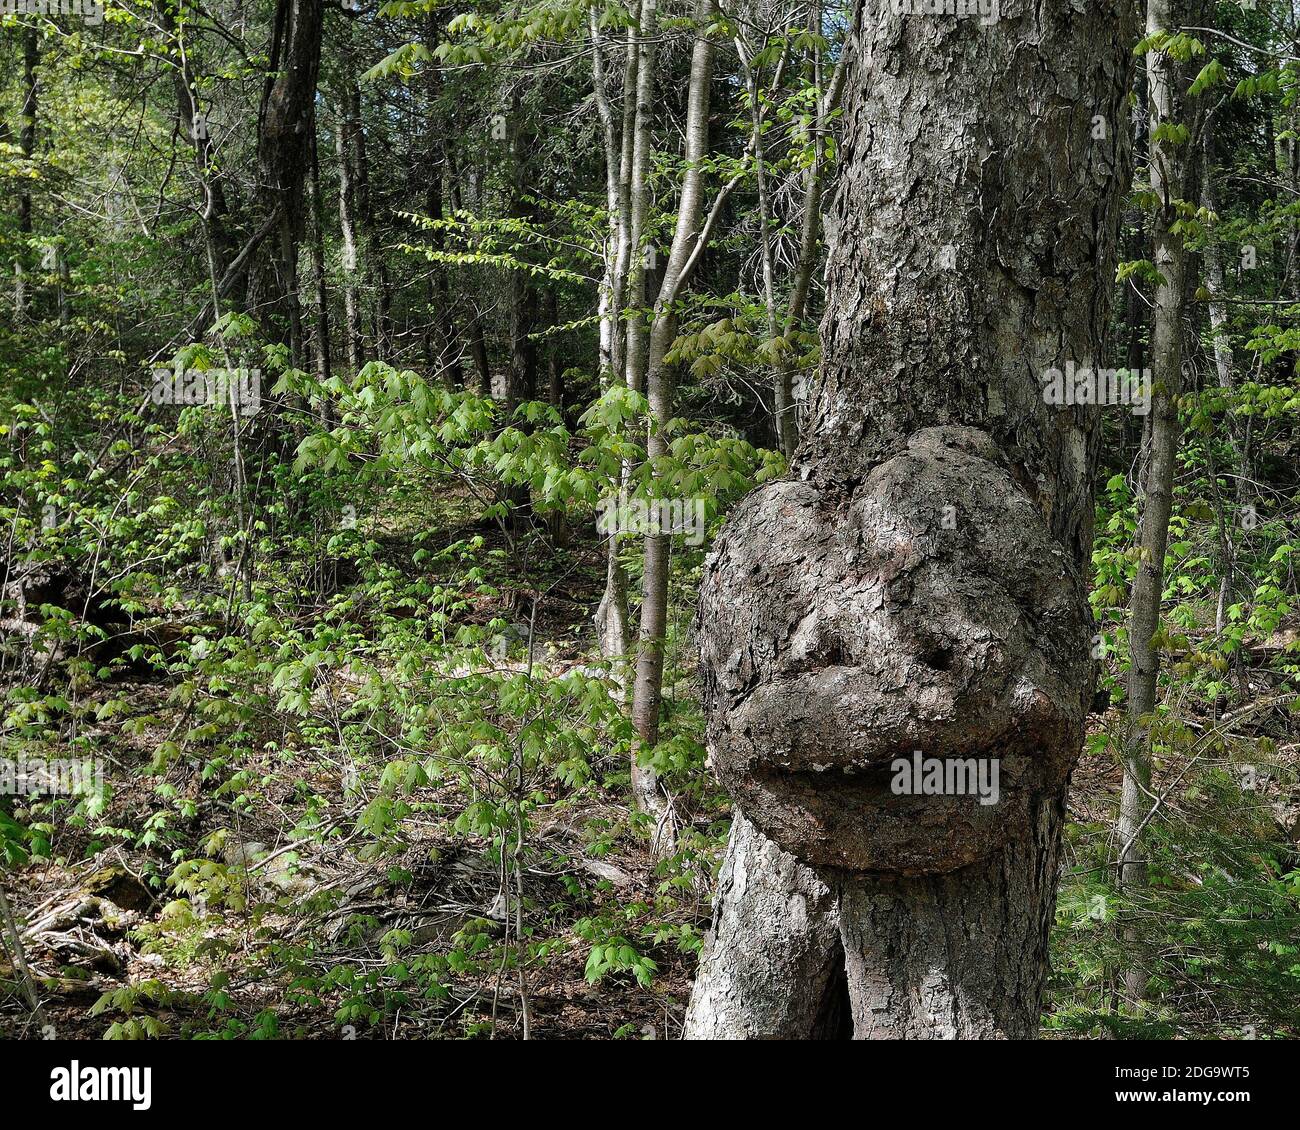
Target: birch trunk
[
  {"x": 647, "y": 693},
  {"x": 627, "y": 339},
  {"x": 612, "y": 614},
  {"x": 352, "y": 331}
]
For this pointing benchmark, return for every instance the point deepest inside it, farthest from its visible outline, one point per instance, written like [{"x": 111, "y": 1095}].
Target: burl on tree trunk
[{"x": 917, "y": 582}]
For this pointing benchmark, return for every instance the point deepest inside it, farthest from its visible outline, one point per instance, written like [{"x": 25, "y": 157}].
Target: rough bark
[
  {"x": 773, "y": 955},
  {"x": 881, "y": 632},
  {"x": 286, "y": 126},
  {"x": 917, "y": 581}
]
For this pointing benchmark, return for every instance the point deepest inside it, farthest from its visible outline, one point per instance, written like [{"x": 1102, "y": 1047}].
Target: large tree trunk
[
  {"x": 286, "y": 126},
  {"x": 917, "y": 583},
  {"x": 1168, "y": 175}
]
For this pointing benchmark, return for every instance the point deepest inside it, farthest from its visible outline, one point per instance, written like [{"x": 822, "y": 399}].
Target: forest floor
[
  {"x": 81, "y": 947},
  {"x": 97, "y": 922},
  {"x": 84, "y": 936}
]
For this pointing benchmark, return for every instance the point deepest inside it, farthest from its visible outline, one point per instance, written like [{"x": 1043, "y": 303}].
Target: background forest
[{"x": 340, "y": 342}]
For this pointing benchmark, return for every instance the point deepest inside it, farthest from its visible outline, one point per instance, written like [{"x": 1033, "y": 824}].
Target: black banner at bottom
[{"x": 242, "y": 1079}]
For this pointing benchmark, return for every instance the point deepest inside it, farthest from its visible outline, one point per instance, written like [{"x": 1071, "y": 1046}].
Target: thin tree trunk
[
  {"x": 322, "y": 335},
  {"x": 1215, "y": 280},
  {"x": 1216, "y": 283},
  {"x": 637, "y": 334},
  {"x": 554, "y": 369},
  {"x": 612, "y": 617},
  {"x": 27, "y": 144},
  {"x": 647, "y": 691},
  {"x": 477, "y": 342},
  {"x": 1168, "y": 174},
  {"x": 787, "y": 434},
  {"x": 787, "y": 422},
  {"x": 443, "y": 319},
  {"x": 9, "y": 926},
  {"x": 1291, "y": 177},
  {"x": 65, "y": 286},
  {"x": 353, "y": 334},
  {"x": 521, "y": 374},
  {"x": 479, "y": 354},
  {"x": 607, "y": 308},
  {"x": 627, "y": 154},
  {"x": 376, "y": 269},
  {"x": 622, "y": 183},
  {"x": 918, "y": 581},
  {"x": 220, "y": 243}
]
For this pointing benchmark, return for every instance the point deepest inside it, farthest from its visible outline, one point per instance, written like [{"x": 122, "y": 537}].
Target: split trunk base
[{"x": 803, "y": 953}]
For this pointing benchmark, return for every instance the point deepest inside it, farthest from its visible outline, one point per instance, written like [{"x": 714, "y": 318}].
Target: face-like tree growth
[{"x": 917, "y": 582}]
